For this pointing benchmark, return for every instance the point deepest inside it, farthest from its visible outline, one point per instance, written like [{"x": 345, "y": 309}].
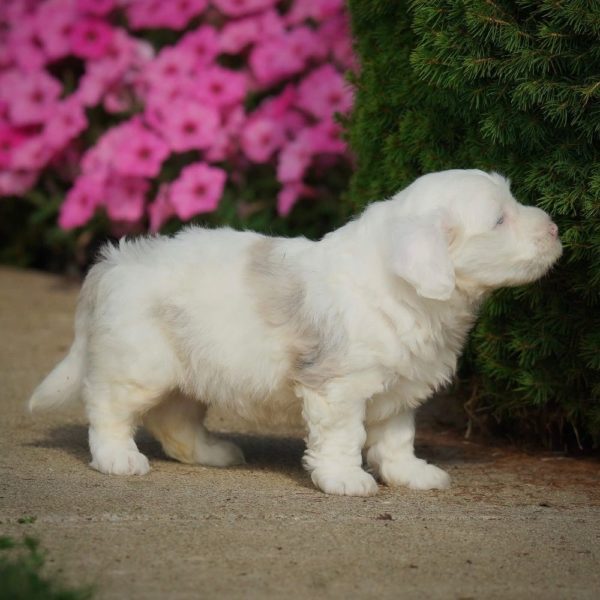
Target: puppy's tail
[{"x": 63, "y": 384}]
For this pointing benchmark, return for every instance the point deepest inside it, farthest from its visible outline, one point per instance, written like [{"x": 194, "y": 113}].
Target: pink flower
[
  {"x": 236, "y": 35},
  {"x": 307, "y": 43},
  {"x": 30, "y": 97},
  {"x": 324, "y": 92},
  {"x": 280, "y": 109},
  {"x": 65, "y": 123},
  {"x": 143, "y": 14},
  {"x": 171, "y": 66},
  {"x": 260, "y": 138},
  {"x": 239, "y": 8},
  {"x": 294, "y": 160},
  {"x": 125, "y": 197},
  {"x": 157, "y": 105},
  {"x": 220, "y": 87},
  {"x": 81, "y": 202},
  {"x": 187, "y": 125},
  {"x": 317, "y": 10},
  {"x": 202, "y": 44},
  {"x": 99, "y": 159},
  {"x": 16, "y": 182},
  {"x": 93, "y": 86},
  {"x": 271, "y": 24},
  {"x": 197, "y": 190},
  {"x": 161, "y": 210},
  {"x": 275, "y": 59},
  {"x": 129, "y": 149},
  {"x": 24, "y": 46},
  {"x": 99, "y": 8},
  {"x": 288, "y": 196},
  {"x": 276, "y": 106},
  {"x": 53, "y": 24},
  {"x": 6, "y": 60},
  {"x": 91, "y": 38},
  {"x": 158, "y": 99},
  {"x": 181, "y": 11},
  {"x": 171, "y": 14},
  {"x": 293, "y": 122},
  {"x": 225, "y": 144},
  {"x": 141, "y": 152},
  {"x": 14, "y": 11},
  {"x": 118, "y": 98},
  {"x": 337, "y": 31},
  {"x": 32, "y": 154},
  {"x": 10, "y": 138},
  {"x": 295, "y": 157},
  {"x": 324, "y": 137},
  {"x": 125, "y": 53},
  {"x": 124, "y": 56}
]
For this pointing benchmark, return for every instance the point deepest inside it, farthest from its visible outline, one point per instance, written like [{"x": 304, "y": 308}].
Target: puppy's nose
[{"x": 553, "y": 229}]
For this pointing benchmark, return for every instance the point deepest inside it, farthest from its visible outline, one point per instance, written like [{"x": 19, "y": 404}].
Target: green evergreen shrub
[{"x": 510, "y": 86}]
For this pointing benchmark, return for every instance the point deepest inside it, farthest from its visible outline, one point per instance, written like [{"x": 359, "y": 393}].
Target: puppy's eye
[{"x": 500, "y": 221}]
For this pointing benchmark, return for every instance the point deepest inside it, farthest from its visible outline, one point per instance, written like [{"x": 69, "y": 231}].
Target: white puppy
[{"x": 354, "y": 331}]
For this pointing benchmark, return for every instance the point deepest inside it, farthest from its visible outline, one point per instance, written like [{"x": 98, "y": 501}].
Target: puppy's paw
[
  {"x": 415, "y": 474},
  {"x": 348, "y": 482},
  {"x": 120, "y": 461},
  {"x": 218, "y": 453}
]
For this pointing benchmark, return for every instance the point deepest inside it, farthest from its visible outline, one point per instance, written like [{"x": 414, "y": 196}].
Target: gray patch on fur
[
  {"x": 193, "y": 354},
  {"x": 315, "y": 346}
]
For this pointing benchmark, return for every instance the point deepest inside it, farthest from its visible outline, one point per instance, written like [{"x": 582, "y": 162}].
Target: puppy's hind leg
[
  {"x": 113, "y": 411},
  {"x": 177, "y": 423}
]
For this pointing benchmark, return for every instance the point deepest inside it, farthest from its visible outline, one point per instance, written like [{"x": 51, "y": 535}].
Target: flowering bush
[{"x": 152, "y": 109}]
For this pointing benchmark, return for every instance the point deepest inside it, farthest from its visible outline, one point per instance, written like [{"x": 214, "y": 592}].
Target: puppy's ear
[{"x": 420, "y": 256}]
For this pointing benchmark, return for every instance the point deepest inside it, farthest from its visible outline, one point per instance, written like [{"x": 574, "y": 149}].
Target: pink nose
[{"x": 553, "y": 229}]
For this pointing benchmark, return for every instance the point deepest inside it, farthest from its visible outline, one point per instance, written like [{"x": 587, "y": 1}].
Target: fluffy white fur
[{"x": 354, "y": 331}]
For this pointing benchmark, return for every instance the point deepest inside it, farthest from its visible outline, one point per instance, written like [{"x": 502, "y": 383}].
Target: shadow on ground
[
  {"x": 281, "y": 454},
  {"x": 266, "y": 453}
]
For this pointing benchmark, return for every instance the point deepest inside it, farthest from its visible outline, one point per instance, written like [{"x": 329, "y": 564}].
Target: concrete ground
[{"x": 513, "y": 525}]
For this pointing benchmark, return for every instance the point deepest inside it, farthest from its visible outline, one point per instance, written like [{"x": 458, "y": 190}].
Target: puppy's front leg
[
  {"x": 336, "y": 435},
  {"x": 391, "y": 455}
]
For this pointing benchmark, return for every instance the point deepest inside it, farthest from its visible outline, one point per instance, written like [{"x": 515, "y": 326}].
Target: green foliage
[
  {"x": 511, "y": 86},
  {"x": 21, "y": 565}
]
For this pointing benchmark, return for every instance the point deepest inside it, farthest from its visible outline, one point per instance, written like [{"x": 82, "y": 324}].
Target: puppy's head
[{"x": 464, "y": 229}]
